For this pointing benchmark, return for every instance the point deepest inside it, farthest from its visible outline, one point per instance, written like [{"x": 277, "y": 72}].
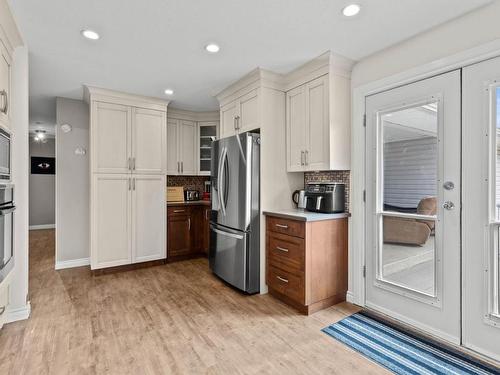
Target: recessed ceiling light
[
  {"x": 90, "y": 34},
  {"x": 351, "y": 10},
  {"x": 169, "y": 92},
  {"x": 212, "y": 48}
]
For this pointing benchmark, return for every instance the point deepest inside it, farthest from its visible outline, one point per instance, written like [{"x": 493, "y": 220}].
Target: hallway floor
[{"x": 169, "y": 319}]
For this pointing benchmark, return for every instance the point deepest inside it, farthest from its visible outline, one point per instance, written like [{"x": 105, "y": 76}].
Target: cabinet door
[
  {"x": 228, "y": 115},
  {"x": 249, "y": 117},
  {"x": 178, "y": 235},
  {"x": 111, "y": 213},
  {"x": 207, "y": 132},
  {"x": 149, "y": 141},
  {"x": 173, "y": 167},
  {"x": 149, "y": 218},
  {"x": 111, "y": 145},
  {"x": 317, "y": 114},
  {"x": 187, "y": 147},
  {"x": 296, "y": 128},
  {"x": 5, "y": 65}
]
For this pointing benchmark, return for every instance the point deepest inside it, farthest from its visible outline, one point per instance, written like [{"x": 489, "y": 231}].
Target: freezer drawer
[{"x": 229, "y": 255}]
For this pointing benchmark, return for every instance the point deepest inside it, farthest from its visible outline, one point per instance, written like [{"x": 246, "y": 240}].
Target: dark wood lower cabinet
[{"x": 187, "y": 231}]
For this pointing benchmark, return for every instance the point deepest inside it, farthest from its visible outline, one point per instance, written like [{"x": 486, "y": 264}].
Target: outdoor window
[{"x": 407, "y": 197}]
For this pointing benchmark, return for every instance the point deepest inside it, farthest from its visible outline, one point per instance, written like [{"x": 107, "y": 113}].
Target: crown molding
[
  {"x": 182, "y": 114},
  {"x": 9, "y": 33},
  {"x": 91, "y": 93}
]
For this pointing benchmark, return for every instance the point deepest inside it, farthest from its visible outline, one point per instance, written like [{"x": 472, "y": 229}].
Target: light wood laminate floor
[{"x": 169, "y": 319}]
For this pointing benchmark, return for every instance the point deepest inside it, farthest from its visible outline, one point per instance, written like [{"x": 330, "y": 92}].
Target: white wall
[
  {"x": 19, "y": 305},
  {"x": 473, "y": 29},
  {"x": 457, "y": 43},
  {"x": 42, "y": 187},
  {"x": 72, "y": 184}
]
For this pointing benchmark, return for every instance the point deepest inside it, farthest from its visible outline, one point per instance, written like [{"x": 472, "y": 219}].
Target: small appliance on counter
[
  {"x": 191, "y": 195},
  {"x": 325, "y": 197},
  {"x": 175, "y": 194},
  {"x": 299, "y": 198},
  {"x": 206, "y": 193}
]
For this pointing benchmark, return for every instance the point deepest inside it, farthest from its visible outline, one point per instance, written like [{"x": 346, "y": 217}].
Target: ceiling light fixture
[
  {"x": 90, "y": 34},
  {"x": 351, "y": 10},
  {"x": 212, "y": 48},
  {"x": 169, "y": 92}
]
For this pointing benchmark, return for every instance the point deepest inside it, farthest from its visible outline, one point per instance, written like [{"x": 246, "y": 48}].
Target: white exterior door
[
  {"x": 173, "y": 166},
  {"x": 187, "y": 148},
  {"x": 296, "y": 128},
  {"x": 111, "y": 221},
  {"x": 111, "y": 138},
  {"x": 149, "y": 218},
  {"x": 413, "y": 204},
  {"x": 317, "y": 155},
  {"x": 481, "y": 208},
  {"x": 149, "y": 141}
]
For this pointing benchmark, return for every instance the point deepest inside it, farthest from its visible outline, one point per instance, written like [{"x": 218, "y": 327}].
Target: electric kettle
[{"x": 300, "y": 199}]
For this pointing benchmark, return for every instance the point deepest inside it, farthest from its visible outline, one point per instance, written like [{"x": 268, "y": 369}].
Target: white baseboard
[
  {"x": 350, "y": 297},
  {"x": 72, "y": 263},
  {"x": 43, "y": 226},
  {"x": 21, "y": 313}
]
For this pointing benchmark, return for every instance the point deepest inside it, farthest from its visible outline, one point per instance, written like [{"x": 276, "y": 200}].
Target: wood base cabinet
[
  {"x": 187, "y": 231},
  {"x": 307, "y": 262}
]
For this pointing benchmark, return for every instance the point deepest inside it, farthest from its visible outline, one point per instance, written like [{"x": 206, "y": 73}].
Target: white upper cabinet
[
  {"x": 187, "y": 147},
  {"x": 148, "y": 208},
  {"x": 111, "y": 138},
  {"x": 148, "y": 141},
  {"x": 5, "y": 73},
  {"x": 128, "y": 139},
  {"x": 173, "y": 166},
  {"x": 207, "y": 133},
  {"x": 240, "y": 115},
  {"x": 318, "y": 118}
]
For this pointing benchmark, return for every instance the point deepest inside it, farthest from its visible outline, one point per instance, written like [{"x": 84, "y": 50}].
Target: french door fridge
[{"x": 234, "y": 226}]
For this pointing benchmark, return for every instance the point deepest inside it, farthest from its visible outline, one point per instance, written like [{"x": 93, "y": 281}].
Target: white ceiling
[{"x": 147, "y": 46}]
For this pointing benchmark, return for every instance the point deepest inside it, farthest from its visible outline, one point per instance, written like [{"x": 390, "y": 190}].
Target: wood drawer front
[
  {"x": 286, "y": 226},
  {"x": 178, "y": 210},
  {"x": 289, "y": 284},
  {"x": 284, "y": 250}
]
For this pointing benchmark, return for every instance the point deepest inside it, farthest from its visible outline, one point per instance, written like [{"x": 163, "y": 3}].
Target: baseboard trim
[
  {"x": 350, "y": 297},
  {"x": 72, "y": 263},
  {"x": 21, "y": 313},
  {"x": 43, "y": 226}
]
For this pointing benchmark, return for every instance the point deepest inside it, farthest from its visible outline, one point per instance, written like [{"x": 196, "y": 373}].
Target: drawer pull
[
  {"x": 2, "y": 310},
  {"x": 282, "y": 249},
  {"x": 177, "y": 211},
  {"x": 282, "y": 226},
  {"x": 282, "y": 279}
]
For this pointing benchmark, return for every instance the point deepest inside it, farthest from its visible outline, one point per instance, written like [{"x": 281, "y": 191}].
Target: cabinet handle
[
  {"x": 2, "y": 310},
  {"x": 301, "y": 157},
  {"x": 282, "y": 226},
  {"x": 182, "y": 167},
  {"x": 133, "y": 164},
  {"x": 178, "y": 167},
  {"x": 189, "y": 223},
  {"x": 306, "y": 158},
  {"x": 177, "y": 211},
  {"x": 282, "y": 249},
  {"x": 4, "y": 95},
  {"x": 282, "y": 279},
  {"x": 206, "y": 214},
  {"x": 129, "y": 164},
  {"x": 133, "y": 184},
  {"x": 129, "y": 184}
]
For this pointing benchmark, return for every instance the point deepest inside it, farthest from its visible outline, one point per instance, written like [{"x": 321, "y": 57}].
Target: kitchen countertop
[
  {"x": 301, "y": 215},
  {"x": 189, "y": 203}
]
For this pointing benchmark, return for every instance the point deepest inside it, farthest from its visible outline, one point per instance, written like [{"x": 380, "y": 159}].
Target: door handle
[
  {"x": 449, "y": 185},
  {"x": 448, "y": 205}
]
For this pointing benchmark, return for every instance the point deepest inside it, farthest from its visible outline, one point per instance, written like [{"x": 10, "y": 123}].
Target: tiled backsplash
[
  {"x": 189, "y": 182},
  {"x": 331, "y": 176}
]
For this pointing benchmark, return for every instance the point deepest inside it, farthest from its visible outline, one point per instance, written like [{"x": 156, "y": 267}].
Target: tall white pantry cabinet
[{"x": 128, "y": 162}]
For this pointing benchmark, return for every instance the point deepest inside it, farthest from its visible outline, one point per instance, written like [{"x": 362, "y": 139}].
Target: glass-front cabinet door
[{"x": 207, "y": 134}]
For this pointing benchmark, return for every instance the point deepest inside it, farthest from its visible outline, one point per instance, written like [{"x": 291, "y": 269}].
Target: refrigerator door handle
[
  {"x": 227, "y": 234},
  {"x": 219, "y": 183}
]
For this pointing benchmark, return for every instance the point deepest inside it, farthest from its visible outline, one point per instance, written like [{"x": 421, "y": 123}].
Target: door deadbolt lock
[
  {"x": 449, "y": 185},
  {"x": 448, "y": 205}
]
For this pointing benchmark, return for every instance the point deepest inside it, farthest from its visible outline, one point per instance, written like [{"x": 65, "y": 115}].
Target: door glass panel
[{"x": 409, "y": 181}]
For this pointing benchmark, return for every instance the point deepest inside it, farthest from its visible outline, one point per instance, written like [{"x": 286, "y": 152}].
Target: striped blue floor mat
[{"x": 400, "y": 352}]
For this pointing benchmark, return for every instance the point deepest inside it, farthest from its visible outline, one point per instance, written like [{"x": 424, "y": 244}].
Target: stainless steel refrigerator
[{"x": 234, "y": 226}]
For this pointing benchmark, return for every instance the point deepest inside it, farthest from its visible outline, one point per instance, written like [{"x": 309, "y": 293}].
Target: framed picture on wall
[{"x": 43, "y": 165}]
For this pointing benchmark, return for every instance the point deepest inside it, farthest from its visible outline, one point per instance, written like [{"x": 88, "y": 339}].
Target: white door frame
[{"x": 357, "y": 248}]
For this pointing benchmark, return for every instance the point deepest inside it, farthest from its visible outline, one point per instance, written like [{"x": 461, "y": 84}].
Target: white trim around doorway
[
  {"x": 356, "y": 292},
  {"x": 43, "y": 226}
]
